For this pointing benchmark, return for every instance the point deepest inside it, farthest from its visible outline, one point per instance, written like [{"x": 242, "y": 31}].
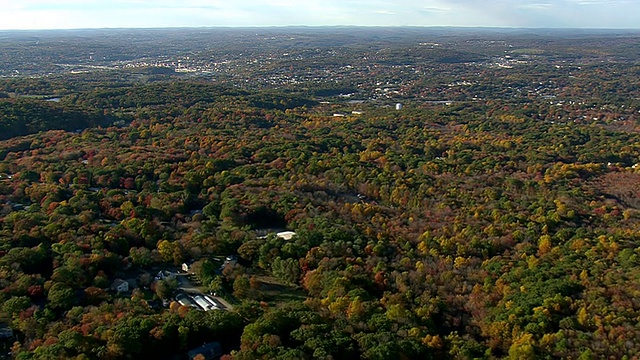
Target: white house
[{"x": 286, "y": 235}]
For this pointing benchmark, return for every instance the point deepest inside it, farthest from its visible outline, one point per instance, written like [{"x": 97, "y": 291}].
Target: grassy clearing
[{"x": 276, "y": 292}]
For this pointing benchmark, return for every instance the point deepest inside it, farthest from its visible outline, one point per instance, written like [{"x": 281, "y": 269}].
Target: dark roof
[
  {"x": 210, "y": 351},
  {"x": 118, "y": 282},
  {"x": 5, "y": 331}
]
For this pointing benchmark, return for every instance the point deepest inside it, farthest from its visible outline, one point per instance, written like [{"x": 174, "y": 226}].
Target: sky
[{"x": 73, "y": 14}]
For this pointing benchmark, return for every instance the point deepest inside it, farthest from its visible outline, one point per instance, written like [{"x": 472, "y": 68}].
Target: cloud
[
  {"x": 435, "y": 9},
  {"x": 599, "y": 2},
  {"x": 385, "y": 12},
  {"x": 167, "y": 13},
  {"x": 537, "y": 6}
]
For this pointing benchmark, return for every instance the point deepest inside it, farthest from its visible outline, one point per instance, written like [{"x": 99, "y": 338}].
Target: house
[
  {"x": 164, "y": 275},
  {"x": 185, "y": 267},
  {"x": 209, "y": 351},
  {"x": 5, "y": 331},
  {"x": 286, "y": 235},
  {"x": 120, "y": 285}
]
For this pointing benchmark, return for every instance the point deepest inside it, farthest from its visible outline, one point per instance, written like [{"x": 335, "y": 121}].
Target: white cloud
[
  {"x": 537, "y": 6},
  {"x": 436, "y": 9},
  {"x": 165, "y": 13},
  {"x": 599, "y": 2},
  {"x": 384, "y": 12}
]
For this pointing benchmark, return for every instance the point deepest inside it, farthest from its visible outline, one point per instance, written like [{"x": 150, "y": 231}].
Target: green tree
[
  {"x": 241, "y": 287},
  {"x": 61, "y": 296}
]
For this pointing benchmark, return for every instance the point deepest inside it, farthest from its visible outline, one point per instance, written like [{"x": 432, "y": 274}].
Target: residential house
[
  {"x": 164, "y": 275},
  {"x": 5, "y": 331},
  {"x": 120, "y": 285},
  {"x": 186, "y": 266},
  {"x": 286, "y": 235}
]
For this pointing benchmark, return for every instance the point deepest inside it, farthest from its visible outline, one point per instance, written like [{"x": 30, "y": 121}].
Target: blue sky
[{"x": 65, "y": 14}]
